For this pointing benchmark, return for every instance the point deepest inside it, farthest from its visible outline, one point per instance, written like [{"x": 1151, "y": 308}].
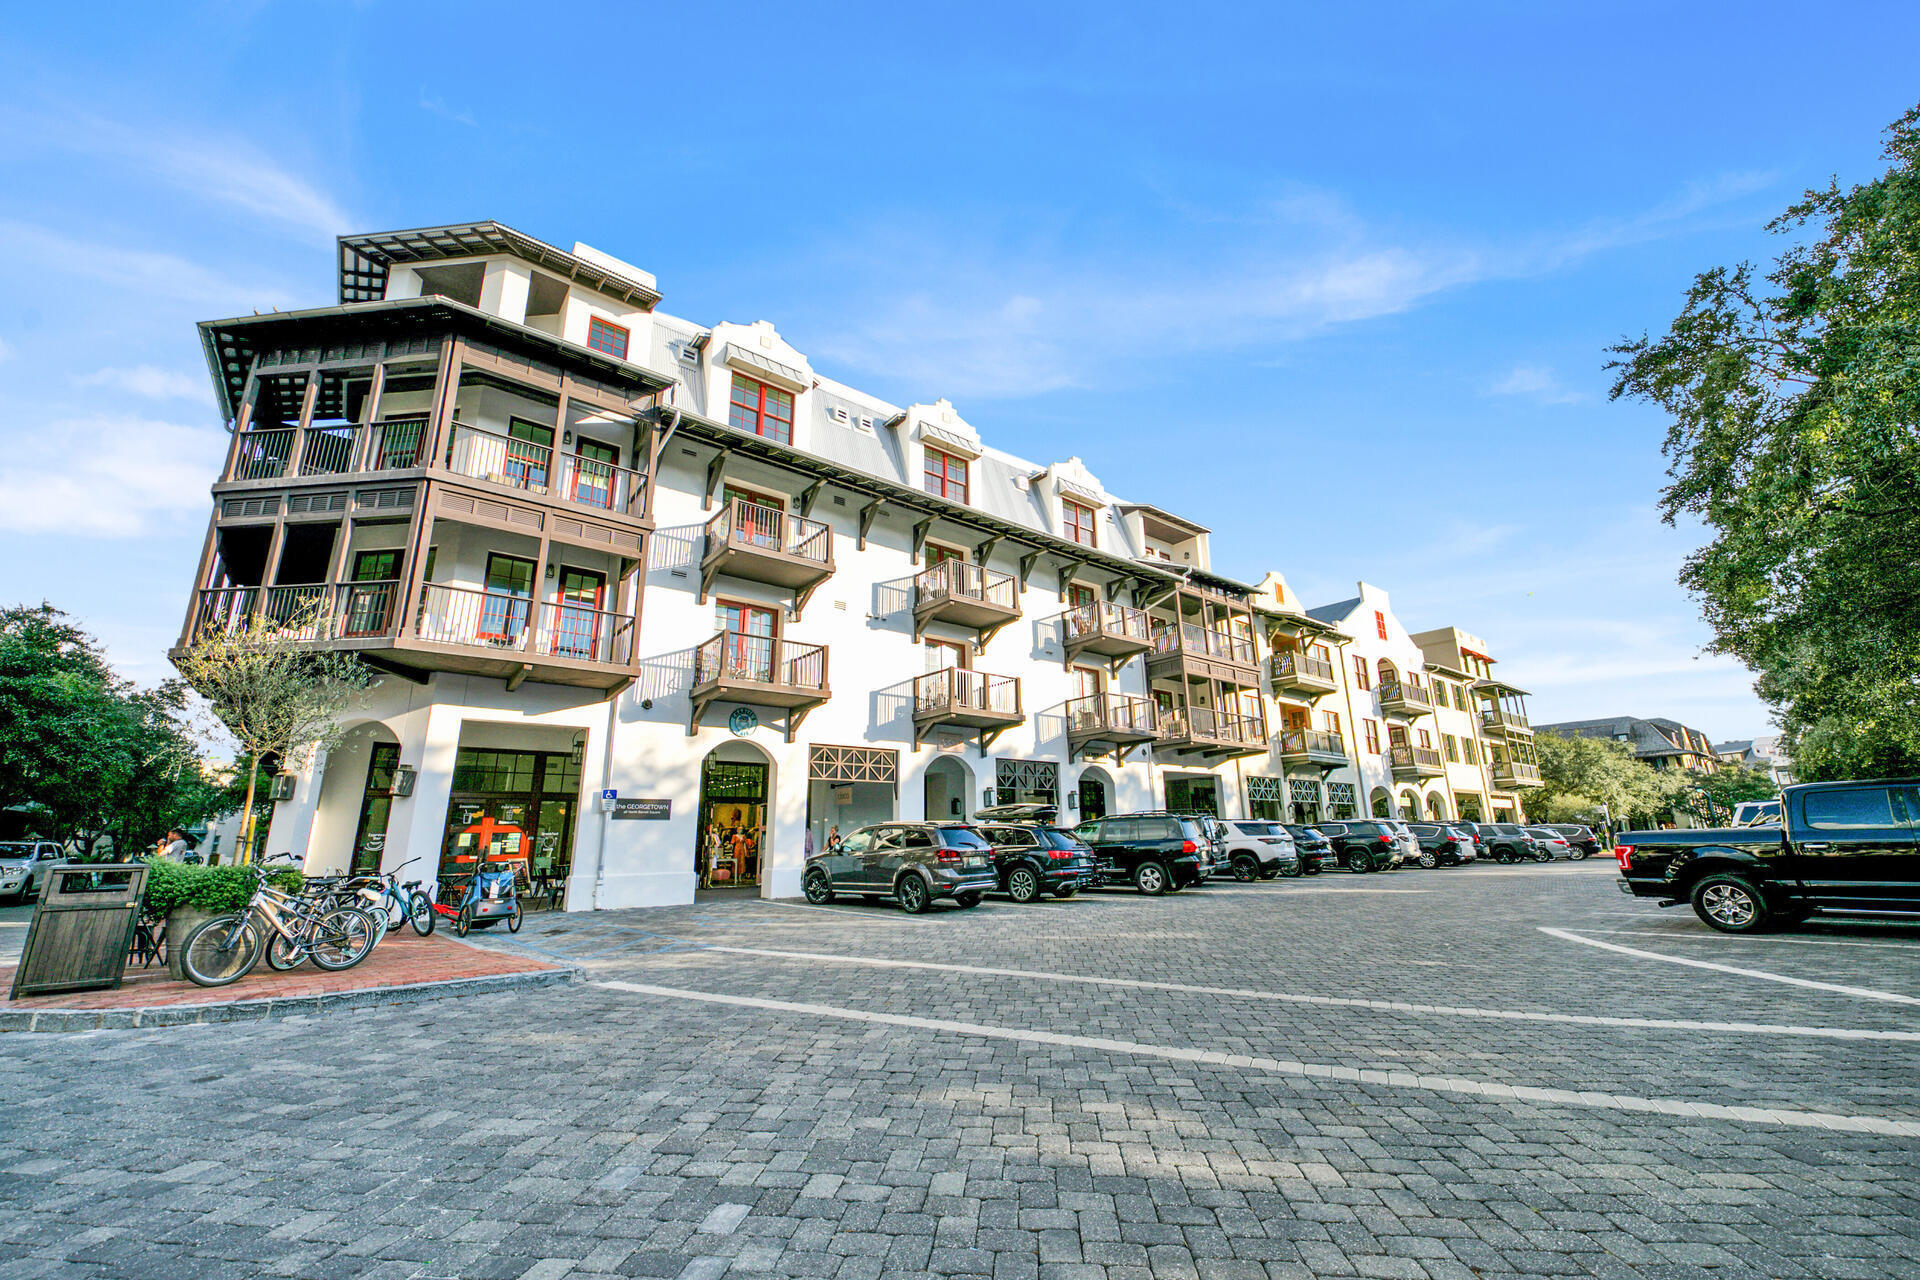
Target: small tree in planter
[
  {"x": 185, "y": 896},
  {"x": 276, "y": 693}
]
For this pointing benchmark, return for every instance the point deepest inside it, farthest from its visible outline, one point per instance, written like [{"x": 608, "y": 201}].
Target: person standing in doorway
[{"x": 177, "y": 848}]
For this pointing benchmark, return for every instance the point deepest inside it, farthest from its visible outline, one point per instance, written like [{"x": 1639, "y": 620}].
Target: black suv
[
  {"x": 1506, "y": 842},
  {"x": 1313, "y": 847},
  {"x": 1361, "y": 846},
  {"x": 1031, "y": 855},
  {"x": 1155, "y": 853},
  {"x": 1441, "y": 845},
  {"x": 1581, "y": 839},
  {"x": 915, "y": 862}
]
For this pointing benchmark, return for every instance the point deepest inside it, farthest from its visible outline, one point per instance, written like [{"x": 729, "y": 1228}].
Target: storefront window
[{"x": 514, "y": 810}]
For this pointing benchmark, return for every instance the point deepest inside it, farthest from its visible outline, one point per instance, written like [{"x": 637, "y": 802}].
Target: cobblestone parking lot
[{"x": 1391, "y": 1076}]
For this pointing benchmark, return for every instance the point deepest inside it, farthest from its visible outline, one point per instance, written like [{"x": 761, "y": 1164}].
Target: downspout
[{"x": 606, "y": 818}]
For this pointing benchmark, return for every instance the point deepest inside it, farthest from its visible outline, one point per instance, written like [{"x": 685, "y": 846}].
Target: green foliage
[
  {"x": 1578, "y": 775},
  {"x": 84, "y": 748},
  {"x": 172, "y": 885},
  {"x": 1731, "y": 784},
  {"x": 1794, "y": 400}
]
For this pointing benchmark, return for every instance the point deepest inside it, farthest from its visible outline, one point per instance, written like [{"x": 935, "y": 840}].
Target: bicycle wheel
[
  {"x": 377, "y": 912},
  {"x": 420, "y": 914},
  {"x": 222, "y": 950},
  {"x": 284, "y": 956},
  {"x": 513, "y": 921},
  {"x": 462, "y": 923},
  {"x": 342, "y": 939}
]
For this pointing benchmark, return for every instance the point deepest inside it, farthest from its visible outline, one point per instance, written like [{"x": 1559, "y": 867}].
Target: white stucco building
[{"x": 658, "y": 605}]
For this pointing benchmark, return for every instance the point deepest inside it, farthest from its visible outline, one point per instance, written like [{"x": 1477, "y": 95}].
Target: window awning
[
  {"x": 949, "y": 441},
  {"x": 766, "y": 368}
]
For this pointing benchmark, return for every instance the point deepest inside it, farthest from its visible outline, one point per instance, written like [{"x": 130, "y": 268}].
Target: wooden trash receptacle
[{"x": 82, "y": 929}]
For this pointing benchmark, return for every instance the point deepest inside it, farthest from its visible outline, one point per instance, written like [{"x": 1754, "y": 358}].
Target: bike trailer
[{"x": 490, "y": 896}]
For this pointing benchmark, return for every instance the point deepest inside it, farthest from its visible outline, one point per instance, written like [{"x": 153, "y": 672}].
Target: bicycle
[
  {"x": 226, "y": 948},
  {"x": 149, "y": 941},
  {"x": 381, "y": 895}
]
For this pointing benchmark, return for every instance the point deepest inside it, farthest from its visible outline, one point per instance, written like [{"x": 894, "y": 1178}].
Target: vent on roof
[
  {"x": 689, "y": 354},
  {"x": 866, "y": 423},
  {"x": 839, "y": 414},
  {"x": 1021, "y": 483}
]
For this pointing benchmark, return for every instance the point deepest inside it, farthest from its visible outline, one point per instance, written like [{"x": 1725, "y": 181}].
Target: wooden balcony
[
  {"x": 1515, "y": 773},
  {"x": 1500, "y": 723},
  {"x": 511, "y": 463},
  {"x": 1210, "y": 733},
  {"x": 1105, "y": 630},
  {"x": 491, "y": 633},
  {"x": 759, "y": 671},
  {"x": 966, "y": 595},
  {"x": 1413, "y": 763},
  {"x": 1404, "y": 701},
  {"x": 1110, "y": 722},
  {"x": 1295, "y": 675},
  {"x": 765, "y": 544},
  {"x": 337, "y": 614},
  {"x": 391, "y": 444},
  {"x": 987, "y": 704},
  {"x": 1189, "y": 649},
  {"x": 1312, "y": 746}
]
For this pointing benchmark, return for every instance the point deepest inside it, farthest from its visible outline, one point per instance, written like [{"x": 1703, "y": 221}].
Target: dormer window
[
  {"x": 946, "y": 475},
  {"x": 607, "y": 338},
  {"x": 1076, "y": 522},
  {"x": 763, "y": 410}
]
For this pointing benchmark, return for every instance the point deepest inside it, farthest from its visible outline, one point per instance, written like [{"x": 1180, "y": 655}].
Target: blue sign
[
  {"x": 743, "y": 721},
  {"x": 609, "y": 794}
]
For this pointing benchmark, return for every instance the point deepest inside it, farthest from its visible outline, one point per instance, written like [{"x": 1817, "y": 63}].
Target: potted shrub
[{"x": 188, "y": 896}]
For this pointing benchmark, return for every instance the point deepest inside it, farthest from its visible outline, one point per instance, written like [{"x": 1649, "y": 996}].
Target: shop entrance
[
  {"x": 515, "y": 811},
  {"x": 370, "y": 837},
  {"x": 1199, "y": 794},
  {"x": 733, "y": 823},
  {"x": 1095, "y": 791}
]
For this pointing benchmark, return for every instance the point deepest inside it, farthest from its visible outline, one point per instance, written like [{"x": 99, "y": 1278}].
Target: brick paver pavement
[{"x": 836, "y": 1126}]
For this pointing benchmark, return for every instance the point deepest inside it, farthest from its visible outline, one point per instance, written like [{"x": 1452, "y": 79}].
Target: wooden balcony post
[
  {"x": 241, "y": 423},
  {"x": 446, "y": 395},
  {"x": 369, "y": 414},
  {"x": 202, "y": 577},
  {"x": 297, "y": 456}
]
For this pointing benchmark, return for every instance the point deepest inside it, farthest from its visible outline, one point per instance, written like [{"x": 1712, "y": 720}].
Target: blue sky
[{"x": 1337, "y": 283}]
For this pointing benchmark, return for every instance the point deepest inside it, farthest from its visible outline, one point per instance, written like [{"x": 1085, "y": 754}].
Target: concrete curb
[{"x": 254, "y": 1010}]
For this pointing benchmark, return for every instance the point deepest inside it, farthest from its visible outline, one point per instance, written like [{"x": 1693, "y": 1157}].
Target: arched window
[
  {"x": 1387, "y": 673},
  {"x": 1437, "y": 807}
]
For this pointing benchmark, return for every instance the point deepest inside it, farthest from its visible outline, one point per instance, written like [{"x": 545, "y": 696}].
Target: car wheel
[
  {"x": 966, "y": 900},
  {"x": 913, "y": 895},
  {"x": 1577, "y": 855},
  {"x": 1290, "y": 869},
  {"x": 1151, "y": 878},
  {"x": 1022, "y": 884},
  {"x": 1730, "y": 903},
  {"x": 1246, "y": 869},
  {"x": 1359, "y": 863},
  {"x": 1429, "y": 859},
  {"x": 819, "y": 889}
]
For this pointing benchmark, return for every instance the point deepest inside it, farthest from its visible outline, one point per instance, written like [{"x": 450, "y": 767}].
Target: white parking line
[
  {"x": 845, "y": 913},
  {"x": 1342, "y": 1002},
  {"x": 1670, "y": 935},
  {"x": 1864, "y": 993},
  {"x": 1484, "y": 1089}
]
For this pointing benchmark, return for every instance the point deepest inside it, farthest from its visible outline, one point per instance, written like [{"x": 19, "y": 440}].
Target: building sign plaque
[{"x": 645, "y": 810}]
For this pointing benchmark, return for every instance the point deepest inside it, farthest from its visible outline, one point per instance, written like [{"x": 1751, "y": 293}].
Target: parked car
[
  {"x": 1362, "y": 846},
  {"x": 1755, "y": 813},
  {"x": 914, "y": 862},
  {"x": 1580, "y": 839},
  {"x": 1506, "y": 841},
  {"x": 1550, "y": 843},
  {"x": 1154, "y": 852},
  {"x": 1031, "y": 855},
  {"x": 1406, "y": 846},
  {"x": 1213, "y": 848},
  {"x": 1442, "y": 845},
  {"x": 1845, "y": 847},
  {"x": 23, "y": 868},
  {"x": 1258, "y": 850},
  {"x": 1312, "y": 847}
]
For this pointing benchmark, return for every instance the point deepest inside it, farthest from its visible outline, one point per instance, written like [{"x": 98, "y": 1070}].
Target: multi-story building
[
  {"x": 1482, "y": 722},
  {"x": 1664, "y": 744},
  {"x": 659, "y": 607},
  {"x": 1765, "y": 754}
]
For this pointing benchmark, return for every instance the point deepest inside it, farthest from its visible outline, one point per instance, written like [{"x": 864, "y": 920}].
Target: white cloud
[
  {"x": 434, "y": 104},
  {"x": 132, "y": 272},
  {"x": 107, "y": 477},
  {"x": 149, "y": 382},
  {"x": 224, "y": 169},
  {"x": 1537, "y": 384}
]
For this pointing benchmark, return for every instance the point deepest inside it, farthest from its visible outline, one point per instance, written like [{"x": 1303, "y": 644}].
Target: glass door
[
  {"x": 370, "y": 837},
  {"x": 576, "y": 632},
  {"x": 749, "y": 641},
  {"x": 367, "y": 606},
  {"x": 593, "y": 473},
  {"x": 503, "y": 611},
  {"x": 529, "y": 454}
]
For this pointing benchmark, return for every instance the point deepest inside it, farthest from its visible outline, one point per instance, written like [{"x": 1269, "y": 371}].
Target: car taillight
[
  {"x": 1057, "y": 854},
  {"x": 1188, "y": 846},
  {"x": 948, "y": 855},
  {"x": 1386, "y": 839},
  {"x": 1624, "y": 855}
]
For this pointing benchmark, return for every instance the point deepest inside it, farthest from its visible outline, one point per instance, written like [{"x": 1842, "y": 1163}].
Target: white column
[{"x": 429, "y": 741}]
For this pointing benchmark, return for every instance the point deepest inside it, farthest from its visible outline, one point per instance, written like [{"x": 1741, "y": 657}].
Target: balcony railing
[
  {"x": 959, "y": 691},
  {"x": 499, "y": 621},
  {"x": 1189, "y": 724},
  {"x": 262, "y": 455},
  {"x": 1418, "y": 761},
  {"x": 735, "y": 657},
  {"x": 1105, "y": 618},
  {"x": 343, "y": 611},
  {"x": 1111, "y": 713},
  {"x": 1516, "y": 773},
  {"x": 1202, "y": 642},
  {"x": 1498, "y": 720},
  {"x": 1397, "y": 695},
  {"x": 1296, "y": 671},
  {"x": 959, "y": 581},
  {"x": 536, "y": 468},
  {"x": 754, "y": 526},
  {"x": 1312, "y": 744}
]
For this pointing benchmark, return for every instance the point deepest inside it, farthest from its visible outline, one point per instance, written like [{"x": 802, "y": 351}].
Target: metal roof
[
  {"x": 364, "y": 259},
  {"x": 231, "y": 345}
]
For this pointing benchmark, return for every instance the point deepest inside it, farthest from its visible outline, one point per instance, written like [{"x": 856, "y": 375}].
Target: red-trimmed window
[
  {"x": 1380, "y": 623},
  {"x": 946, "y": 475},
  {"x": 1373, "y": 735},
  {"x": 607, "y": 337},
  {"x": 1332, "y": 719},
  {"x": 1078, "y": 522},
  {"x": 764, "y": 410},
  {"x": 1362, "y": 677},
  {"x": 1425, "y": 741}
]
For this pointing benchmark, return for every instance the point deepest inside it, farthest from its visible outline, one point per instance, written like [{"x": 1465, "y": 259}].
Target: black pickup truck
[{"x": 1851, "y": 848}]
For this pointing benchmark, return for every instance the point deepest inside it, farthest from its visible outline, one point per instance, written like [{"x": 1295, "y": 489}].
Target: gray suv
[
  {"x": 912, "y": 862},
  {"x": 23, "y": 868}
]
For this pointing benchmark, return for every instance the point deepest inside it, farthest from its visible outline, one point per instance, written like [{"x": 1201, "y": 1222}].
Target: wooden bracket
[
  {"x": 713, "y": 476},
  {"x": 920, "y": 529},
  {"x": 1068, "y": 572},
  {"x": 983, "y": 552},
  {"x": 867, "y": 513},
  {"x": 1026, "y": 567},
  {"x": 809, "y": 496}
]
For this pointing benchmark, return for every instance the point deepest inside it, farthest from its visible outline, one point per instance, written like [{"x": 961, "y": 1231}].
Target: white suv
[{"x": 23, "y": 866}]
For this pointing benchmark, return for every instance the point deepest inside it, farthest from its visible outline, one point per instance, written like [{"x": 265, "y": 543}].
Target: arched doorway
[
  {"x": 736, "y": 788},
  {"x": 1437, "y": 807},
  {"x": 1096, "y": 795},
  {"x": 1381, "y": 803},
  {"x": 1409, "y": 807},
  {"x": 349, "y": 832},
  {"x": 948, "y": 783}
]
